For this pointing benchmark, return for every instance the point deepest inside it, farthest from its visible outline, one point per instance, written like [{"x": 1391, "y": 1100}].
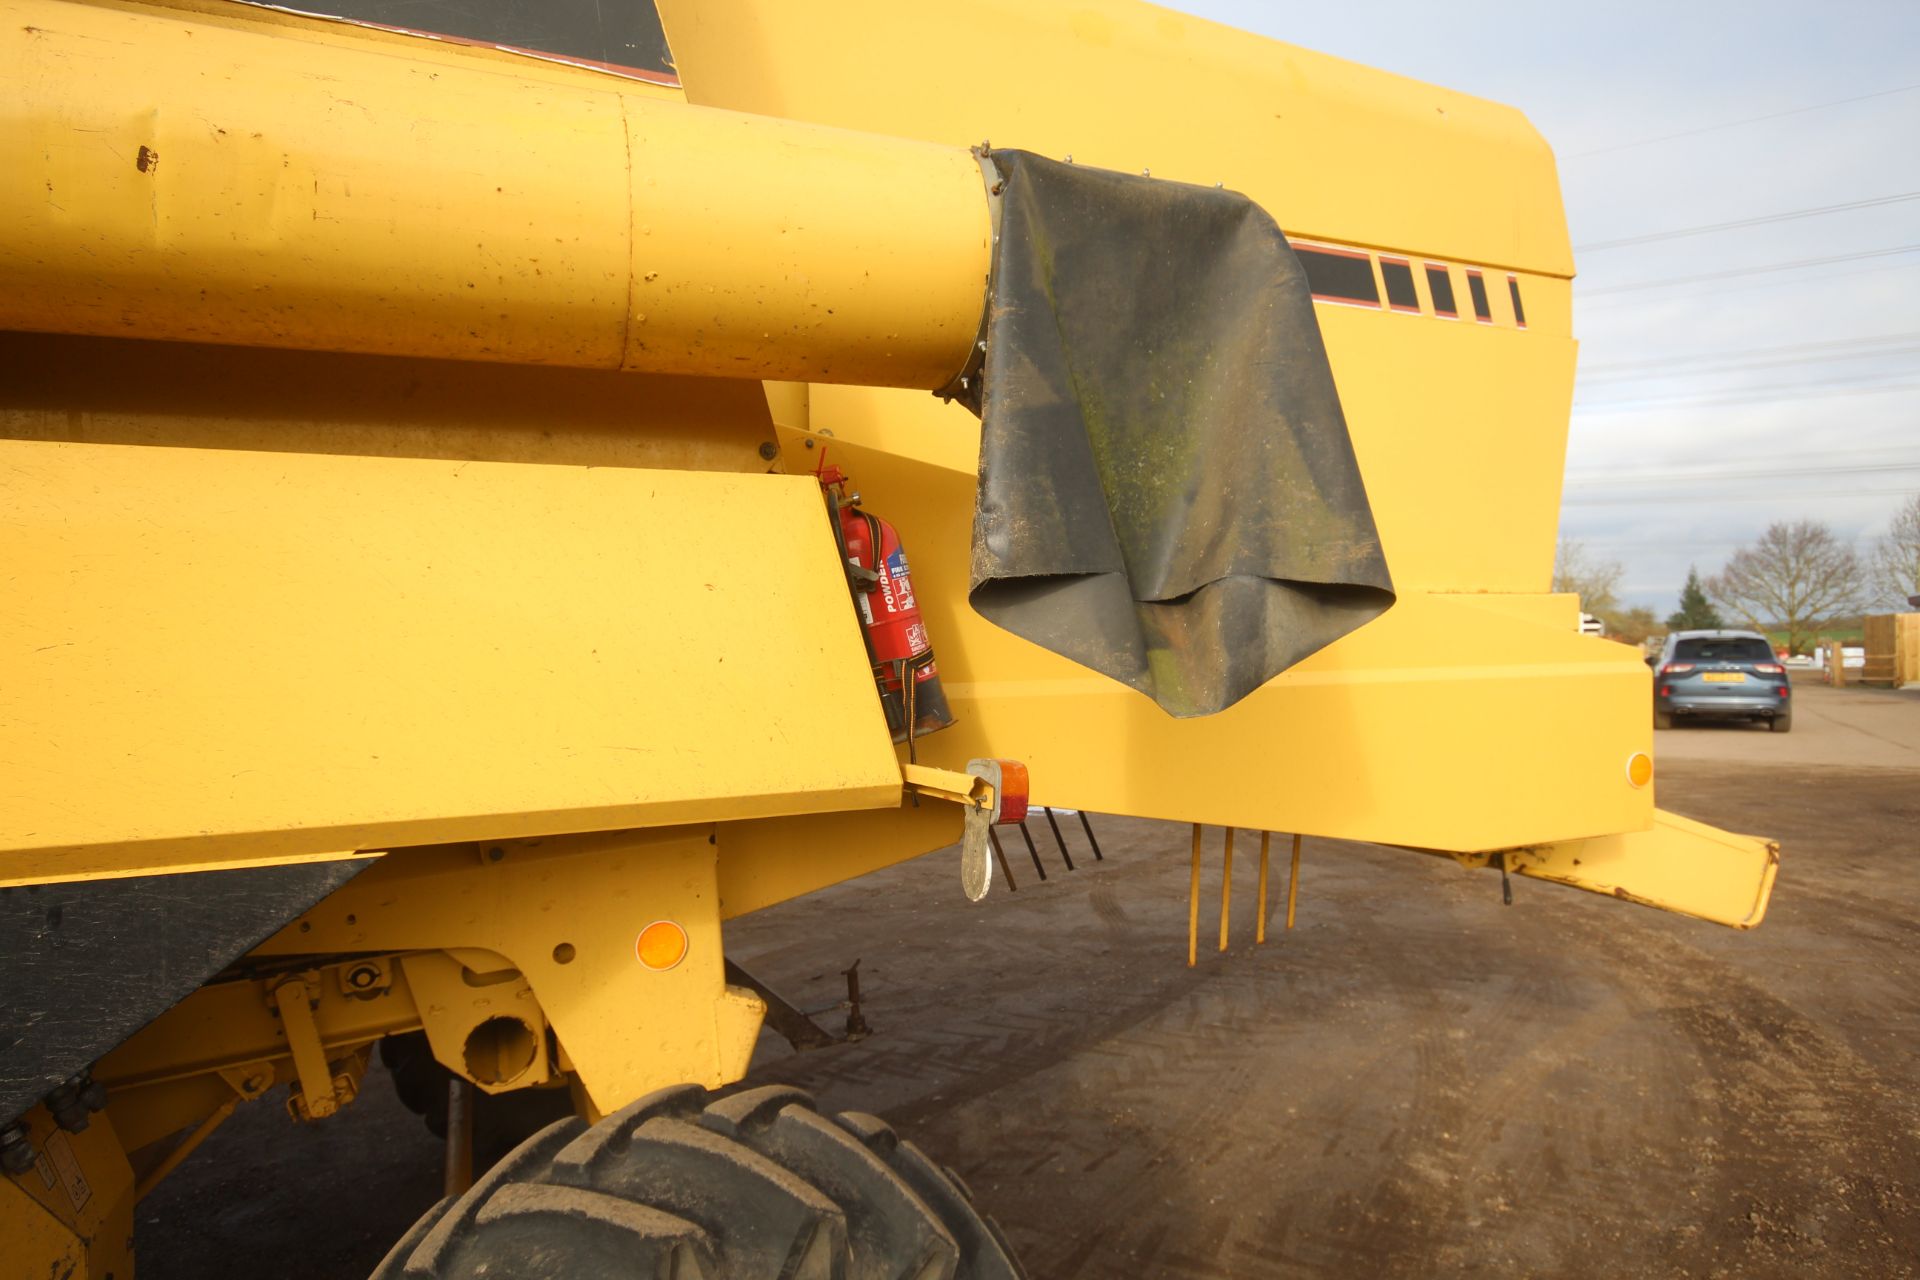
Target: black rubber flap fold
[{"x": 1168, "y": 493}]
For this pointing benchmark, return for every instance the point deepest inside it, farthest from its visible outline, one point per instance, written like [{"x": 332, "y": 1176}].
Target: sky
[{"x": 1704, "y": 410}]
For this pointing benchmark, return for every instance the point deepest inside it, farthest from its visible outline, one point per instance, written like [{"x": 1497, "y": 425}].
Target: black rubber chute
[
  {"x": 1168, "y": 493},
  {"x": 89, "y": 963}
]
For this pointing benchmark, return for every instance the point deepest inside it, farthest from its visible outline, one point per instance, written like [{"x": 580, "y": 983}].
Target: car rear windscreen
[{"x": 1734, "y": 650}]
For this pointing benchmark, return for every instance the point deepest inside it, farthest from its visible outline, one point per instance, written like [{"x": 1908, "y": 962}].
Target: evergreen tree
[{"x": 1696, "y": 612}]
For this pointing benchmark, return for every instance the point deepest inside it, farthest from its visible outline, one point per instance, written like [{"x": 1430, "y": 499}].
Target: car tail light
[
  {"x": 1769, "y": 668},
  {"x": 1676, "y": 668},
  {"x": 1666, "y": 691},
  {"x": 1783, "y": 691}
]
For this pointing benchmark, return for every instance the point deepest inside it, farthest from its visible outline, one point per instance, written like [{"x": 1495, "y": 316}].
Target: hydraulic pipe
[{"x": 172, "y": 175}]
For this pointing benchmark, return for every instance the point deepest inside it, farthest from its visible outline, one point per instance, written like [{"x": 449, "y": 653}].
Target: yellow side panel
[
  {"x": 218, "y": 654},
  {"x": 1461, "y": 434},
  {"x": 1329, "y": 147},
  {"x": 1445, "y": 723}
]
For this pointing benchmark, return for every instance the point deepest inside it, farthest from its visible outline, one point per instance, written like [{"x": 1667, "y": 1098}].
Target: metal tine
[
  {"x": 1057, "y": 838},
  {"x": 1193, "y": 903},
  {"x": 1032, "y": 852},
  {"x": 1088, "y": 828},
  {"x": 1260, "y": 929},
  {"x": 1000, "y": 856},
  {"x": 1226, "y": 891}
]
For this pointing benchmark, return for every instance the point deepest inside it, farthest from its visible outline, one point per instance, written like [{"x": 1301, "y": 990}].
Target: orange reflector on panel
[
  {"x": 1639, "y": 768},
  {"x": 661, "y": 945}
]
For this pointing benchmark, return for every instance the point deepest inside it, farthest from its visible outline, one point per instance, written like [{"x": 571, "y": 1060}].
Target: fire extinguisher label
[
  {"x": 917, "y": 638},
  {"x": 895, "y": 584}
]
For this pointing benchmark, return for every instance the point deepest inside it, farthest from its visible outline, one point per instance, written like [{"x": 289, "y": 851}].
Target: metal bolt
[
  {"x": 769, "y": 450},
  {"x": 1146, "y": 173},
  {"x": 982, "y": 344},
  {"x": 362, "y": 976},
  {"x": 496, "y": 853},
  {"x": 16, "y": 1153},
  {"x": 69, "y": 1112},
  {"x": 1069, "y": 157}
]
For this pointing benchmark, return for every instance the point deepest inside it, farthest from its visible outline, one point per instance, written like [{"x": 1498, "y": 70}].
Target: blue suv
[{"x": 1725, "y": 675}]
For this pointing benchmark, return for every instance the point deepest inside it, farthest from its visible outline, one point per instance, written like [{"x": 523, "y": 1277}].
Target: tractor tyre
[{"x": 683, "y": 1186}]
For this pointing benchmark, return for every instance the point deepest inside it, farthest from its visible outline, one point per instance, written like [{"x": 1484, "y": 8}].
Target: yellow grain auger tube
[{"x": 441, "y": 495}]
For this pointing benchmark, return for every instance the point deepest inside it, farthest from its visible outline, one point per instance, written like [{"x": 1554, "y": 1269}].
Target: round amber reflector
[
  {"x": 661, "y": 945},
  {"x": 1639, "y": 768}
]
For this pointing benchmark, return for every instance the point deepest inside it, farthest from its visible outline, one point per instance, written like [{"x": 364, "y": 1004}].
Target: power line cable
[
  {"x": 1770, "y": 456},
  {"x": 1658, "y": 405},
  {"x": 1802, "y": 281},
  {"x": 1735, "y": 124},
  {"x": 1716, "y": 370},
  {"x": 1715, "y": 477},
  {"x": 1736, "y": 224},
  {"x": 1625, "y": 500},
  {"x": 1743, "y": 352},
  {"x": 1764, "y": 269},
  {"x": 1870, "y": 379}
]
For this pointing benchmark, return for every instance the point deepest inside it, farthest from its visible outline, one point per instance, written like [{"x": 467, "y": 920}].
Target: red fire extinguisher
[{"x": 904, "y": 671}]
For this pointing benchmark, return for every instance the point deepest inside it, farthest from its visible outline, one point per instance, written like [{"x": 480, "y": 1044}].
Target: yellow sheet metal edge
[
  {"x": 1677, "y": 865},
  {"x": 1329, "y": 147},
  {"x": 217, "y": 655},
  {"x": 185, "y": 179}
]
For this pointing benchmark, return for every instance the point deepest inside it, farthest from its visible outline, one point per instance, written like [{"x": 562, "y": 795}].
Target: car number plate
[{"x": 1725, "y": 677}]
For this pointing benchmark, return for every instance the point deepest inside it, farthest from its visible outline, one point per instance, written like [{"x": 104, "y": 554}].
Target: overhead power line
[
  {"x": 1757, "y": 473},
  {"x": 1741, "y": 353},
  {"x": 1706, "y": 499},
  {"x": 1709, "y": 370},
  {"x": 1869, "y": 457},
  {"x": 1765, "y": 269},
  {"x": 1855, "y": 380},
  {"x": 1745, "y": 286},
  {"x": 1816, "y": 392},
  {"x": 1711, "y": 227},
  {"x": 1735, "y": 124}
]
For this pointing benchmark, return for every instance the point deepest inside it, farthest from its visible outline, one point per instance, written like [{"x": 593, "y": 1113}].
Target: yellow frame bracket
[
  {"x": 980, "y": 792},
  {"x": 1676, "y": 864},
  {"x": 321, "y": 1092}
]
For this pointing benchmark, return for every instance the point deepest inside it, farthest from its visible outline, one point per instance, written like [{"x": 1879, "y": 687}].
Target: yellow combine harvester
[{"x": 455, "y": 490}]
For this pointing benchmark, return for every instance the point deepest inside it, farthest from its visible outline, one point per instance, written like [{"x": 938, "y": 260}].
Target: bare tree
[
  {"x": 1896, "y": 557},
  {"x": 1798, "y": 577},
  {"x": 1632, "y": 626},
  {"x": 1596, "y": 582}
]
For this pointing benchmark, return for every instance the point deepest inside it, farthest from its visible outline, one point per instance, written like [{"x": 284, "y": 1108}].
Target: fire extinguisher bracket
[{"x": 991, "y": 791}]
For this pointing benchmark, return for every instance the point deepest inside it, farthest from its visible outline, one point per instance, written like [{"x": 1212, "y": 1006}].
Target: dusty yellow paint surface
[
  {"x": 218, "y": 654},
  {"x": 246, "y": 183}
]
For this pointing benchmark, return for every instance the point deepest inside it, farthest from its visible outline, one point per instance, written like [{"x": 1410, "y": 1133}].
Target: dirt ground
[{"x": 1415, "y": 1081}]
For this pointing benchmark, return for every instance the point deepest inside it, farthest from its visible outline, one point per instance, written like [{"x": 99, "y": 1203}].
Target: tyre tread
[{"x": 755, "y": 1185}]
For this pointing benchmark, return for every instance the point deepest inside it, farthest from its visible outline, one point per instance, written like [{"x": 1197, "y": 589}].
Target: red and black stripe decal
[
  {"x": 1338, "y": 275},
  {"x": 1477, "y": 287},
  {"x": 1440, "y": 285},
  {"x": 1397, "y": 275}
]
